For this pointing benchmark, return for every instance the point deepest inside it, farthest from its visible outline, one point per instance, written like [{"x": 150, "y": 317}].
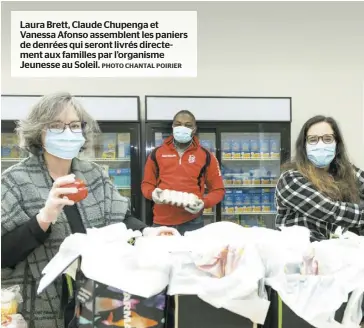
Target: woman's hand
[
  {"x": 56, "y": 201},
  {"x": 160, "y": 231}
]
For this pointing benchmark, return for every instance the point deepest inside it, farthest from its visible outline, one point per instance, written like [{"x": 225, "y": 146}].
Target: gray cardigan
[{"x": 24, "y": 190}]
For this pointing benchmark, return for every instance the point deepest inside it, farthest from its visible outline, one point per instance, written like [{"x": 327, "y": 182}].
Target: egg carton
[{"x": 178, "y": 198}]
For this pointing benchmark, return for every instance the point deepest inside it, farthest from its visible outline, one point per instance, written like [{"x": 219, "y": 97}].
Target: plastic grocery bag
[
  {"x": 223, "y": 275},
  {"x": 342, "y": 258},
  {"x": 109, "y": 259},
  {"x": 275, "y": 248},
  {"x": 223, "y": 272},
  {"x": 10, "y": 300},
  {"x": 316, "y": 298},
  {"x": 353, "y": 314},
  {"x": 13, "y": 321}
]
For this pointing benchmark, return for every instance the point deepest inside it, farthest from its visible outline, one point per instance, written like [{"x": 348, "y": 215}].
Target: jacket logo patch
[
  {"x": 191, "y": 159},
  {"x": 169, "y": 155}
]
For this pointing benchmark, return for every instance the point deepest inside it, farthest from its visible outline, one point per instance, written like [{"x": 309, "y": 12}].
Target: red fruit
[{"x": 82, "y": 191}]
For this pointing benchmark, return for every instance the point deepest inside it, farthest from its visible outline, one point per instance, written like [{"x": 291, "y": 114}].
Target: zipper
[{"x": 181, "y": 156}]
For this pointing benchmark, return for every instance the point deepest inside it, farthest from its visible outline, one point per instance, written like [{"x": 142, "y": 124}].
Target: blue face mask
[
  {"x": 182, "y": 134},
  {"x": 321, "y": 155},
  {"x": 64, "y": 145}
]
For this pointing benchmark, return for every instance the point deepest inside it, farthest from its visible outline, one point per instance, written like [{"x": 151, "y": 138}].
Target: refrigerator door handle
[{"x": 133, "y": 203}]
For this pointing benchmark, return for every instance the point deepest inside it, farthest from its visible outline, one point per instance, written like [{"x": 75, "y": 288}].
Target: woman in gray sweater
[{"x": 36, "y": 215}]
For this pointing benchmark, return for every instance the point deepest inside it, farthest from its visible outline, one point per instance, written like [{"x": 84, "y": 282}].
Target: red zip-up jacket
[{"x": 185, "y": 173}]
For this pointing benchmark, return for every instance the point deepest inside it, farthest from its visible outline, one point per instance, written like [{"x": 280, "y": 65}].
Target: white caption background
[{"x": 116, "y": 44}]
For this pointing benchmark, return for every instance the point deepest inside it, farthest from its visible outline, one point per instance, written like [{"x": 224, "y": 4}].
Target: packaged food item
[
  {"x": 264, "y": 148},
  {"x": 265, "y": 180},
  {"x": 178, "y": 198},
  {"x": 256, "y": 200},
  {"x": 124, "y": 145},
  {"x": 237, "y": 177},
  {"x": 273, "y": 180},
  {"x": 9, "y": 146},
  {"x": 226, "y": 149},
  {"x": 228, "y": 178},
  {"x": 254, "y": 148},
  {"x": 235, "y": 148},
  {"x": 82, "y": 190},
  {"x": 246, "y": 178},
  {"x": 246, "y": 200},
  {"x": 10, "y": 299},
  {"x": 229, "y": 202},
  {"x": 255, "y": 176},
  {"x": 239, "y": 201},
  {"x": 207, "y": 211},
  {"x": 266, "y": 200},
  {"x": 274, "y": 147},
  {"x": 272, "y": 200},
  {"x": 245, "y": 148},
  {"x": 108, "y": 145},
  {"x": 265, "y": 177},
  {"x": 120, "y": 177}
]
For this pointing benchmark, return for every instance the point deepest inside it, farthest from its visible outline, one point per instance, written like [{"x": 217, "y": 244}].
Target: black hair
[{"x": 185, "y": 112}]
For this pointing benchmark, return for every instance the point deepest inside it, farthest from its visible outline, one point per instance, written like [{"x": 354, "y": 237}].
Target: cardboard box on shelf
[
  {"x": 108, "y": 143},
  {"x": 9, "y": 146},
  {"x": 123, "y": 145}
]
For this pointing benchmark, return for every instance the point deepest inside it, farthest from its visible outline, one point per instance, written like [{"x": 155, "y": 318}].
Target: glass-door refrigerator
[
  {"x": 116, "y": 148},
  {"x": 251, "y": 139}
]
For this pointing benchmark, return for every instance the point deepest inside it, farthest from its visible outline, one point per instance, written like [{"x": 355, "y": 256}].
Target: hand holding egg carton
[{"x": 190, "y": 202}]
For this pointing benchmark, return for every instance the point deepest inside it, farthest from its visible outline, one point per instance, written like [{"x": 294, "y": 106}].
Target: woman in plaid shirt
[{"x": 321, "y": 189}]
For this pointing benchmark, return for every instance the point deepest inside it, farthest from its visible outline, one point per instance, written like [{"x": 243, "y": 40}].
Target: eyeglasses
[
  {"x": 326, "y": 138},
  {"x": 59, "y": 127}
]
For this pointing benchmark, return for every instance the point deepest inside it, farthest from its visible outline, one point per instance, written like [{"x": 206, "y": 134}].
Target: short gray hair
[{"x": 44, "y": 112}]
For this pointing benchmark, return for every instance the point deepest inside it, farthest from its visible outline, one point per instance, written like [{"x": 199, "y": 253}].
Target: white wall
[{"x": 312, "y": 52}]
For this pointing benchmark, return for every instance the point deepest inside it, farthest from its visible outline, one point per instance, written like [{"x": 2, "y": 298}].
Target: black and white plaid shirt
[{"x": 299, "y": 203}]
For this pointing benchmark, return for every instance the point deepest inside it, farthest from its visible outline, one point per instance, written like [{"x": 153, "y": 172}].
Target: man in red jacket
[{"x": 182, "y": 164}]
